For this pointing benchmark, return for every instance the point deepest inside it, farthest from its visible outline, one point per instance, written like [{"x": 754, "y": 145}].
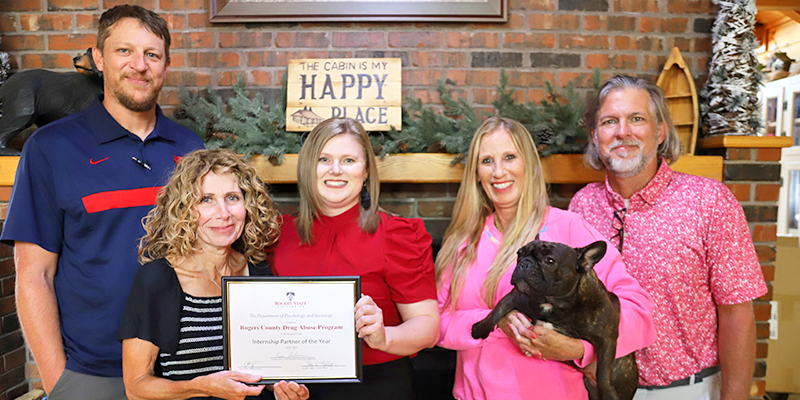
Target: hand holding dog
[
  {"x": 519, "y": 329},
  {"x": 539, "y": 341}
]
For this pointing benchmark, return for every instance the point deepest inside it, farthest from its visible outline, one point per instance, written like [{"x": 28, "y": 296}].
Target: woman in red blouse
[{"x": 339, "y": 231}]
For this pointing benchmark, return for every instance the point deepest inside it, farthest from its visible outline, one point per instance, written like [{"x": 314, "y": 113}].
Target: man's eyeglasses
[{"x": 618, "y": 223}]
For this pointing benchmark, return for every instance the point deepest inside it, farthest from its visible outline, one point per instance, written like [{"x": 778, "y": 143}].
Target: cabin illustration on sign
[{"x": 306, "y": 117}]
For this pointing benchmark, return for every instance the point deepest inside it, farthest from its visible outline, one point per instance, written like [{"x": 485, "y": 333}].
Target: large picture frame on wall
[{"x": 226, "y": 11}]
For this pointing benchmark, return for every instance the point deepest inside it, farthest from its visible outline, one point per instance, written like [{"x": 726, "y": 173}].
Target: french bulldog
[{"x": 556, "y": 284}]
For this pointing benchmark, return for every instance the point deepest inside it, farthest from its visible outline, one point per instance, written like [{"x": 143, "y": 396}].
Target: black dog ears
[
  {"x": 84, "y": 63},
  {"x": 590, "y": 255},
  {"x": 587, "y": 256}
]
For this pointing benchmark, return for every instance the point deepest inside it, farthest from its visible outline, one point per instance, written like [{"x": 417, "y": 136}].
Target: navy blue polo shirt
[{"x": 79, "y": 193}]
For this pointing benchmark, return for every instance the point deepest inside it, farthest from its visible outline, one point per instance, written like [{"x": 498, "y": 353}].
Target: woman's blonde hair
[
  {"x": 171, "y": 227},
  {"x": 308, "y": 159},
  {"x": 473, "y": 206}
]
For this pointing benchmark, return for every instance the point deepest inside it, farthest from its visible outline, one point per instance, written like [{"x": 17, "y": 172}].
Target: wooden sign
[{"x": 365, "y": 89}]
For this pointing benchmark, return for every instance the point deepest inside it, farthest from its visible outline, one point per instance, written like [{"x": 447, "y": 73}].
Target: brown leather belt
[{"x": 698, "y": 377}]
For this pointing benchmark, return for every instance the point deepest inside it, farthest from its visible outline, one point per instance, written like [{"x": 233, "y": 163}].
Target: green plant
[
  {"x": 424, "y": 130},
  {"x": 246, "y": 126},
  {"x": 241, "y": 124},
  {"x": 556, "y": 124}
]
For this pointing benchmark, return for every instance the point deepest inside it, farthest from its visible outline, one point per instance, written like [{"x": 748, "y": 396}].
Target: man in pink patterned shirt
[{"x": 684, "y": 238}]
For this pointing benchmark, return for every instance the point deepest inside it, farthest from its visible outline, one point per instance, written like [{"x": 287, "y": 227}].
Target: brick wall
[
  {"x": 543, "y": 40},
  {"x": 12, "y": 348},
  {"x": 429, "y": 201},
  {"x": 754, "y": 175}
]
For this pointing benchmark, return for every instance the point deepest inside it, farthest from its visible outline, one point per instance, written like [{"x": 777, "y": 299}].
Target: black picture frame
[
  {"x": 226, "y": 11},
  {"x": 230, "y": 283}
]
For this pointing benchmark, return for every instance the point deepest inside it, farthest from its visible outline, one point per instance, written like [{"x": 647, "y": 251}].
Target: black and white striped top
[{"x": 200, "y": 345}]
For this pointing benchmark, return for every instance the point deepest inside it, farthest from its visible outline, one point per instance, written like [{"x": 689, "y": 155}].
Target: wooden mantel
[
  {"x": 762, "y": 142},
  {"x": 437, "y": 168}
]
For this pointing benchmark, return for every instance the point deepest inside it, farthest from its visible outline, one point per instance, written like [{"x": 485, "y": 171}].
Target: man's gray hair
[{"x": 670, "y": 148}]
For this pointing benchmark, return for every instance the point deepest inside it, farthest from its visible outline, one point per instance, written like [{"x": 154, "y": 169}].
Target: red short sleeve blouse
[{"x": 395, "y": 263}]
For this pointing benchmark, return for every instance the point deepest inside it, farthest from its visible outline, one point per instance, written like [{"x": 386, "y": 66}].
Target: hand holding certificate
[{"x": 299, "y": 329}]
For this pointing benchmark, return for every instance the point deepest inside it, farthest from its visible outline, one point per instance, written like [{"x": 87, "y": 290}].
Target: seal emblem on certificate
[{"x": 292, "y": 328}]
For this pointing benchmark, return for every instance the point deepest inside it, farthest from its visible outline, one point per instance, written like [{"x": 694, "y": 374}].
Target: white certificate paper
[{"x": 290, "y": 328}]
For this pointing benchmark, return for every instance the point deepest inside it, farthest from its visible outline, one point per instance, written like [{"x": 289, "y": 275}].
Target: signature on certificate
[
  {"x": 320, "y": 365},
  {"x": 251, "y": 365},
  {"x": 291, "y": 356}
]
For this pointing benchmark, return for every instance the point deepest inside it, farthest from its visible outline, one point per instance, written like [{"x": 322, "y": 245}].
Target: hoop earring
[{"x": 366, "y": 201}]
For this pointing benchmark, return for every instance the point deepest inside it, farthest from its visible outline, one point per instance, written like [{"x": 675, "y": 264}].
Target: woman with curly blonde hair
[{"x": 212, "y": 219}]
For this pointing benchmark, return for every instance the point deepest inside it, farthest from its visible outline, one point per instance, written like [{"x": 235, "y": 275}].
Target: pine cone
[
  {"x": 377, "y": 149},
  {"x": 220, "y": 135},
  {"x": 436, "y": 147},
  {"x": 180, "y": 113},
  {"x": 210, "y": 129},
  {"x": 546, "y": 136},
  {"x": 402, "y": 146},
  {"x": 274, "y": 160}
]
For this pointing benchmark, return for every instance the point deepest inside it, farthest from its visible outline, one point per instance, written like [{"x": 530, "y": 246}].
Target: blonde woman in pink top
[{"x": 501, "y": 205}]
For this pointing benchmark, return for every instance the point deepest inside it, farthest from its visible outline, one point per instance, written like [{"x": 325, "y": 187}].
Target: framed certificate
[
  {"x": 292, "y": 328},
  {"x": 358, "y": 10}
]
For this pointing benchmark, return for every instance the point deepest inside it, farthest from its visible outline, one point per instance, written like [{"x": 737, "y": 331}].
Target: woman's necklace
[{"x": 206, "y": 272}]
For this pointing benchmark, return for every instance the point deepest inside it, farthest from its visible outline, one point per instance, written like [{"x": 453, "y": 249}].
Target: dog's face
[
  {"x": 85, "y": 64},
  {"x": 553, "y": 269}
]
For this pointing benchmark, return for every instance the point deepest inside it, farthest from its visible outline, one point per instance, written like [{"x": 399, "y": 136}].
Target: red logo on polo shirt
[
  {"x": 176, "y": 158},
  {"x": 93, "y": 162}
]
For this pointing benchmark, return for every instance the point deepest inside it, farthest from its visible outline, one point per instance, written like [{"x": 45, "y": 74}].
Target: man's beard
[
  {"x": 130, "y": 103},
  {"x": 626, "y": 168}
]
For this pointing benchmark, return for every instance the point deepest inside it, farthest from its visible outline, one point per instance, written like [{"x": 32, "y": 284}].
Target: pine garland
[
  {"x": 424, "y": 130},
  {"x": 247, "y": 127},
  {"x": 555, "y": 126},
  {"x": 729, "y": 100}
]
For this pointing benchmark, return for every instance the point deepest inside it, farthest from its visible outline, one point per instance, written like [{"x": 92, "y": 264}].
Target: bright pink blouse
[
  {"x": 687, "y": 242},
  {"x": 494, "y": 368},
  {"x": 395, "y": 263}
]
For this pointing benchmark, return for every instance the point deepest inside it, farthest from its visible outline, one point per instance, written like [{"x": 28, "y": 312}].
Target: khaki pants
[
  {"x": 74, "y": 385},
  {"x": 708, "y": 389}
]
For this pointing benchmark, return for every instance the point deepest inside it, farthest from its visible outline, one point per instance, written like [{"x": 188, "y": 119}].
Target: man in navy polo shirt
[{"x": 83, "y": 185}]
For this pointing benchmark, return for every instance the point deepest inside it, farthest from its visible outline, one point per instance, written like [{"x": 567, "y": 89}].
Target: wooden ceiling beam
[
  {"x": 793, "y": 15},
  {"x": 778, "y": 5},
  {"x": 777, "y": 23}
]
